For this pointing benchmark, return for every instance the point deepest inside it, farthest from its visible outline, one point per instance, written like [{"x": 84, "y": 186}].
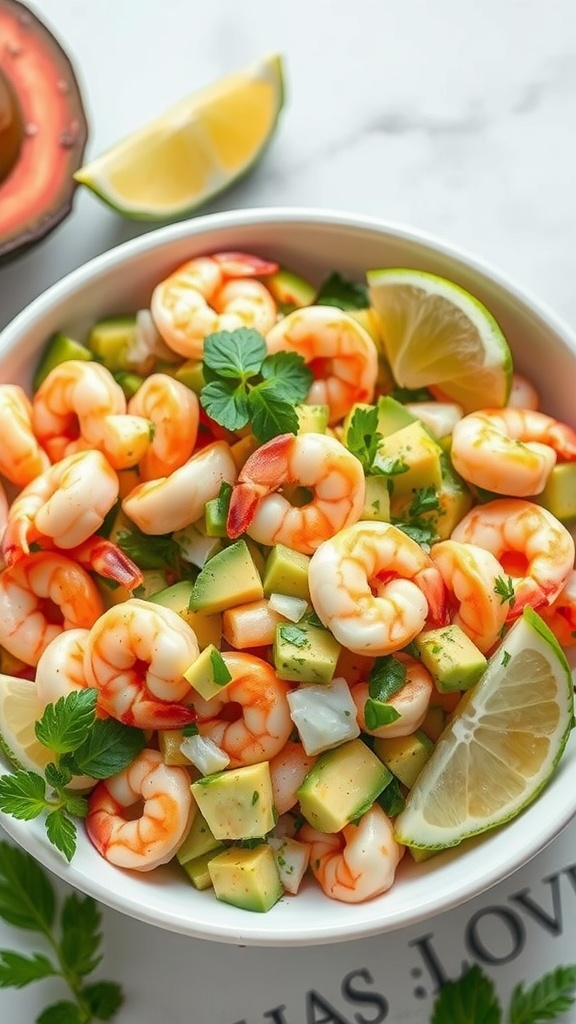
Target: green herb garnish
[
  {"x": 337, "y": 291},
  {"x": 472, "y": 999}
]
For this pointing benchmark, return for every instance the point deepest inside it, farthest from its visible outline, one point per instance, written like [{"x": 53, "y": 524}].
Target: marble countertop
[{"x": 454, "y": 117}]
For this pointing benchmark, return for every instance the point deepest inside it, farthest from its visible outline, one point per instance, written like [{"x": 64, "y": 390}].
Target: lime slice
[
  {"x": 196, "y": 149},
  {"x": 501, "y": 746},
  {"x": 438, "y": 335}
]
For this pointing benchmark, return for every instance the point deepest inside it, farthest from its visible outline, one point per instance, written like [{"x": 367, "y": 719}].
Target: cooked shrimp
[
  {"x": 79, "y": 405},
  {"x": 340, "y": 353},
  {"x": 288, "y": 769},
  {"x": 39, "y": 597},
  {"x": 259, "y": 696},
  {"x": 136, "y": 656},
  {"x": 212, "y": 293},
  {"x": 523, "y": 394},
  {"x": 173, "y": 409},
  {"x": 471, "y": 576},
  {"x": 21, "y": 456},
  {"x": 314, "y": 461},
  {"x": 68, "y": 502},
  {"x": 60, "y": 668},
  {"x": 375, "y": 588},
  {"x": 4, "y": 508},
  {"x": 510, "y": 451},
  {"x": 533, "y": 547},
  {"x": 357, "y": 863},
  {"x": 173, "y": 502},
  {"x": 160, "y": 794},
  {"x": 561, "y": 614},
  {"x": 410, "y": 702}
]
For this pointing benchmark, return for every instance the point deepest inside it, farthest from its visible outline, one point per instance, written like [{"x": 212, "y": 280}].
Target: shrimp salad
[{"x": 223, "y": 516}]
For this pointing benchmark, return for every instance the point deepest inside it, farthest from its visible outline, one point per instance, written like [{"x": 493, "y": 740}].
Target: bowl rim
[{"x": 314, "y": 931}]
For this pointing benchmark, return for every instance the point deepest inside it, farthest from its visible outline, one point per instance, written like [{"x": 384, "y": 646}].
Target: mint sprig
[
  {"x": 72, "y": 936},
  {"x": 83, "y": 745},
  {"x": 472, "y": 999},
  {"x": 246, "y": 385}
]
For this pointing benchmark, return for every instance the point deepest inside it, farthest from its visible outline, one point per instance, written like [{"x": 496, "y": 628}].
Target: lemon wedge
[
  {"x": 501, "y": 746},
  {"x": 196, "y": 149},
  {"x": 436, "y": 334}
]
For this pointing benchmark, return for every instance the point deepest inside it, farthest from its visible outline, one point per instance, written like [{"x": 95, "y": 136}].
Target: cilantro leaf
[
  {"x": 425, "y": 499},
  {"x": 61, "y": 832},
  {"x": 289, "y": 370},
  {"x": 148, "y": 552},
  {"x": 337, "y": 291},
  {"x": 422, "y": 534},
  {"x": 472, "y": 998},
  {"x": 237, "y": 354},
  {"x": 64, "y": 724},
  {"x": 362, "y": 437},
  {"x": 23, "y": 795},
  {"x": 17, "y": 970},
  {"x": 107, "y": 749},
  {"x": 387, "y": 677},
  {"x": 104, "y": 999},
  {"x": 226, "y": 402},
  {"x": 270, "y": 415},
  {"x": 294, "y": 635},
  {"x": 504, "y": 588},
  {"x": 27, "y": 898},
  {"x": 554, "y": 994}
]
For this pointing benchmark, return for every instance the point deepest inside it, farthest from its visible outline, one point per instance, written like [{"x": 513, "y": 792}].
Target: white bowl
[{"x": 313, "y": 242}]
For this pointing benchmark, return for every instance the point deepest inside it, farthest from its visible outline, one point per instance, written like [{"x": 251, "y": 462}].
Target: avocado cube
[
  {"x": 59, "y": 348},
  {"x": 237, "y": 803},
  {"x": 392, "y": 415},
  {"x": 404, "y": 756},
  {"x": 228, "y": 578},
  {"x": 312, "y": 419},
  {"x": 410, "y": 459},
  {"x": 247, "y": 879},
  {"x": 452, "y": 659},
  {"x": 304, "y": 653},
  {"x": 559, "y": 494},
  {"x": 289, "y": 290},
  {"x": 198, "y": 842},
  {"x": 112, "y": 340},
  {"x": 216, "y": 512},
  {"x": 208, "y": 674},
  {"x": 342, "y": 785},
  {"x": 286, "y": 572},
  {"x": 206, "y": 625},
  {"x": 377, "y": 500},
  {"x": 198, "y": 871},
  {"x": 191, "y": 374}
]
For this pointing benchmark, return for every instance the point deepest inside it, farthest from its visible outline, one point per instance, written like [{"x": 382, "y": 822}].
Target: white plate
[{"x": 312, "y": 242}]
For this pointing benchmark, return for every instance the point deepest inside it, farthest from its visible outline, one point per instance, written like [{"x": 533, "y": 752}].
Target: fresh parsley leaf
[
  {"x": 63, "y": 1012},
  {"x": 57, "y": 775},
  {"x": 220, "y": 671},
  {"x": 289, "y": 371},
  {"x": 386, "y": 677},
  {"x": 61, "y": 832},
  {"x": 337, "y": 291},
  {"x": 107, "y": 749},
  {"x": 377, "y": 713},
  {"x": 425, "y": 499},
  {"x": 294, "y": 635},
  {"x": 148, "y": 552},
  {"x": 422, "y": 534},
  {"x": 190, "y": 730},
  {"x": 362, "y": 437},
  {"x": 471, "y": 999},
  {"x": 81, "y": 938},
  {"x": 270, "y": 414},
  {"x": 64, "y": 725},
  {"x": 553, "y": 995},
  {"x": 226, "y": 402},
  {"x": 504, "y": 588},
  {"x": 17, "y": 970},
  {"x": 238, "y": 354},
  {"x": 391, "y": 799},
  {"x": 389, "y": 465},
  {"x": 104, "y": 999},
  {"x": 23, "y": 795},
  {"x": 27, "y": 898}
]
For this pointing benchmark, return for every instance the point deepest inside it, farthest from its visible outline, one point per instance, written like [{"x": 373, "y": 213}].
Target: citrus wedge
[
  {"x": 196, "y": 149},
  {"x": 501, "y": 746},
  {"x": 438, "y": 335}
]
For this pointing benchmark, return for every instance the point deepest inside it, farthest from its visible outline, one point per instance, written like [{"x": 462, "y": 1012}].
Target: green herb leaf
[
  {"x": 386, "y": 677},
  {"x": 404, "y": 395},
  {"x": 337, "y": 291},
  {"x": 220, "y": 671},
  {"x": 391, "y": 799},
  {"x": 423, "y": 535},
  {"x": 61, "y": 832},
  {"x": 190, "y": 730},
  {"x": 148, "y": 552},
  {"x": 237, "y": 354},
  {"x": 504, "y": 588},
  {"x": 270, "y": 414},
  {"x": 550, "y": 997},
  {"x": 27, "y": 898},
  {"x": 57, "y": 775},
  {"x": 362, "y": 437},
  {"x": 64, "y": 725},
  {"x": 104, "y": 999},
  {"x": 64, "y": 1012},
  {"x": 23, "y": 795},
  {"x": 17, "y": 970},
  {"x": 81, "y": 936},
  {"x": 107, "y": 749},
  {"x": 226, "y": 402},
  {"x": 376, "y": 713},
  {"x": 425, "y": 500},
  {"x": 294, "y": 635},
  {"x": 471, "y": 999},
  {"x": 389, "y": 465},
  {"x": 74, "y": 803},
  {"x": 290, "y": 373}
]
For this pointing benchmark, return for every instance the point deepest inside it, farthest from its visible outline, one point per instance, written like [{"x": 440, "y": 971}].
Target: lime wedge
[
  {"x": 196, "y": 149},
  {"x": 501, "y": 746},
  {"x": 438, "y": 335}
]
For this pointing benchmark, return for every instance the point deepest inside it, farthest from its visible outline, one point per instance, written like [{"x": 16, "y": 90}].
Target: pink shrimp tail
[
  {"x": 107, "y": 559},
  {"x": 244, "y": 264},
  {"x": 153, "y": 714},
  {"x": 432, "y": 586},
  {"x": 101, "y": 810},
  {"x": 243, "y": 504}
]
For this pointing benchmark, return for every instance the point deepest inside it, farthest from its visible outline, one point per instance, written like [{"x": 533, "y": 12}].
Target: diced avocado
[
  {"x": 452, "y": 659},
  {"x": 247, "y": 879},
  {"x": 112, "y": 341},
  {"x": 229, "y": 578},
  {"x": 286, "y": 572},
  {"x": 208, "y": 674},
  {"x": 404, "y": 756},
  {"x": 216, "y": 512},
  {"x": 392, "y": 415},
  {"x": 58, "y": 349},
  {"x": 169, "y": 741},
  {"x": 304, "y": 653},
  {"x": 289, "y": 290},
  {"x": 241, "y": 450},
  {"x": 191, "y": 374},
  {"x": 342, "y": 785},
  {"x": 129, "y": 382},
  {"x": 198, "y": 871},
  {"x": 206, "y": 625},
  {"x": 377, "y": 500},
  {"x": 312, "y": 419},
  {"x": 410, "y": 458},
  {"x": 198, "y": 842},
  {"x": 237, "y": 803},
  {"x": 559, "y": 494},
  {"x": 452, "y": 500}
]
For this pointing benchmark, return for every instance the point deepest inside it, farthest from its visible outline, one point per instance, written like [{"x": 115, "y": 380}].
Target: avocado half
[{"x": 43, "y": 130}]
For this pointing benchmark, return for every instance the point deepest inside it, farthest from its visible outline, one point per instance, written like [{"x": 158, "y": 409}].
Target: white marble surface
[{"x": 453, "y": 116}]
